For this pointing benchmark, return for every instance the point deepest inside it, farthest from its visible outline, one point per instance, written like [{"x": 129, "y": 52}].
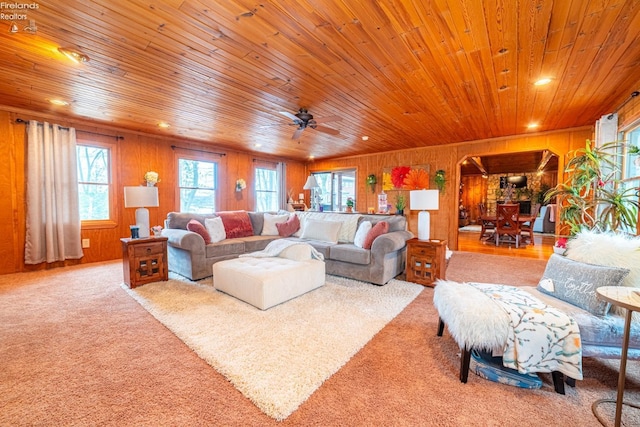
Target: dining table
[{"x": 492, "y": 219}]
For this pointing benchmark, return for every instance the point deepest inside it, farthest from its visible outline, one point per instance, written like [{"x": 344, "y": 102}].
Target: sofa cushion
[
  {"x": 301, "y": 252},
  {"x": 379, "y": 229},
  {"x": 270, "y": 221},
  {"x": 215, "y": 228},
  {"x": 576, "y": 282},
  {"x": 257, "y": 243},
  {"x": 179, "y": 220},
  {"x": 257, "y": 222},
  {"x": 289, "y": 227},
  {"x": 225, "y": 248},
  {"x": 197, "y": 227},
  {"x": 349, "y": 252},
  {"x": 324, "y": 231},
  {"x": 236, "y": 224},
  {"x": 323, "y": 247},
  {"x": 361, "y": 234}
]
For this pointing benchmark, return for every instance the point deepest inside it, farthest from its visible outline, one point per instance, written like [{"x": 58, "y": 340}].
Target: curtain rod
[
  {"x": 77, "y": 130},
  {"x": 633, "y": 95},
  {"x": 173, "y": 147}
]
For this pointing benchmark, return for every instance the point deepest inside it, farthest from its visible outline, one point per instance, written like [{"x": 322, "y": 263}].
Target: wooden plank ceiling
[{"x": 404, "y": 73}]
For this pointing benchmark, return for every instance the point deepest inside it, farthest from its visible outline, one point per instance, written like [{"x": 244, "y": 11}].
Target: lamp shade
[
  {"x": 311, "y": 183},
  {"x": 424, "y": 200},
  {"x": 140, "y": 197}
]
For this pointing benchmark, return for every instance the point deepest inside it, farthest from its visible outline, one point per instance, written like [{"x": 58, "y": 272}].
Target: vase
[
  {"x": 349, "y": 209},
  {"x": 151, "y": 184},
  {"x": 400, "y": 212}
]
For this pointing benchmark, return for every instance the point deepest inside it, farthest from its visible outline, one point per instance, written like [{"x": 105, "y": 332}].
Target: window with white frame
[
  {"x": 94, "y": 181},
  {"x": 267, "y": 186},
  {"x": 335, "y": 188},
  {"x": 632, "y": 155},
  {"x": 197, "y": 182}
]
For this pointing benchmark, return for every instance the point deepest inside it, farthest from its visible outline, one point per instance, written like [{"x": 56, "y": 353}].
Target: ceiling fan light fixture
[{"x": 73, "y": 55}]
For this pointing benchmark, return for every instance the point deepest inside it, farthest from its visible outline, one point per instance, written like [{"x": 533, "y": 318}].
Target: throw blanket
[
  {"x": 273, "y": 249},
  {"x": 541, "y": 338}
]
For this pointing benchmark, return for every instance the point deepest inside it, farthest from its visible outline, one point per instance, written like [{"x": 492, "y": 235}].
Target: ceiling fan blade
[
  {"x": 331, "y": 119},
  {"x": 327, "y": 130},
  {"x": 297, "y": 133},
  {"x": 291, "y": 116}
]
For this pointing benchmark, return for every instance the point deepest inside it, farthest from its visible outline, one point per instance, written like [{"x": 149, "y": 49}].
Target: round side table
[{"x": 628, "y": 298}]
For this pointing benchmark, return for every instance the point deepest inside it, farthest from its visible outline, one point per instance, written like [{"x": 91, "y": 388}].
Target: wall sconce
[{"x": 240, "y": 184}]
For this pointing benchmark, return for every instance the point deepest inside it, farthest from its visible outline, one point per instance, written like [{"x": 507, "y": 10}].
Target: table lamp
[
  {"x": 141, "y": 198},
  {"x": 312, "y": 184},
  {"x": 423, "y": 201}
]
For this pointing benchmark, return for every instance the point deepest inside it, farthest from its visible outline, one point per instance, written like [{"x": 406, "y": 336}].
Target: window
[
  {"x": 632, "y": 159},
  {"x": 267, "y": 185},
  {"x": 94, "y": 183},
  {"x": 335, "y": 188},
  {"x": 197, "y": 181}
]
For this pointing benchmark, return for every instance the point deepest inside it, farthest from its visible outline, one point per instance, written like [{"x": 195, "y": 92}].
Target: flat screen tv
[{"x": 517, "y": 181}]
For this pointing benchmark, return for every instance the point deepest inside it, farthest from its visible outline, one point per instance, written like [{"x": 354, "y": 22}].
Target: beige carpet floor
[
  {"x": 278, "y": 357},
  {"x": 77, "y": 350}
]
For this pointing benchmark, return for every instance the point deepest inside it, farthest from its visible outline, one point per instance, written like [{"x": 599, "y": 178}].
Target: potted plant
[
  {"x": 350, "y": 204},
  {"x": 401, "y": 203},
  {"x": 439, "y": 179},
  {"x": 371, "y": 182},
  {"x": 593, "y": 197}
]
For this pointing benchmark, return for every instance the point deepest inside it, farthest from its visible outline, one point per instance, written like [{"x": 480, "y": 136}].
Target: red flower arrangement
[
  {"x": 398, "y": 174},
  {"x": 561, "y": 243}
]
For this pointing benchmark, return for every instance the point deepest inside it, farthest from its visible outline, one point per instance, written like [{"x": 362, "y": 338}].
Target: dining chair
[
  {"x": 507, "y": 222},
  {"x": 527, "y": 227},
  {"x": 488, "y": 224}
]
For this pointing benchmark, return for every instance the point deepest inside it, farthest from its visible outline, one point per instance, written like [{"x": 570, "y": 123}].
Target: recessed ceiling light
[
  {"x": 365, "y": 138},
  {"x": 58, "y": 102},
  {"x": 543, "y": 81},
  {"x": 163, "y": 125},
  {"x": 73, "y": 55},
  {"x": 257, "y": 145},
  {"x": 532, "y": 125}
]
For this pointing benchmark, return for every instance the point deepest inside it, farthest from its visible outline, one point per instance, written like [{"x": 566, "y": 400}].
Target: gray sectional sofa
[{"x": 190, "y": 257}]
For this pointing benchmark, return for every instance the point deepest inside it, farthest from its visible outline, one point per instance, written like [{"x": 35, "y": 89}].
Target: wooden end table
[
  {"x": 628, "y": 298},
  {"x": 144, "y": 260},
  {"x": 425, "y": 261}
]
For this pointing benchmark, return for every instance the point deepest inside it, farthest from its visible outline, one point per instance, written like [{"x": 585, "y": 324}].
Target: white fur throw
[
  {"x": 473, "y": 319},
  {"x": 608, "y": 249}
]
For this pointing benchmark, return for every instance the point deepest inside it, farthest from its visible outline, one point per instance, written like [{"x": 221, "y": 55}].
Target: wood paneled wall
[
  {"x": 444, "y": 222},
  {"x": 134, "y": 155}
]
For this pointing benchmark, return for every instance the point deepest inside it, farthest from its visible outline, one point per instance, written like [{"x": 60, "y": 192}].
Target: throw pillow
[
  {"x": 576, "y": 282},
  {"x": 298, "y": 252},
  {"x": 379, "y": 229},
  {"x": 609, "y": 249},
  {"x": 286, "y": 229},
  {"x": 215, "y": 228},
  {"x": 270, "y": 221},
  {"x": 236, "y": 224},
  {"x": 361, "y": 233},
  {"x": 195, "y": 226},
  {"x": 325, "y": 231}
]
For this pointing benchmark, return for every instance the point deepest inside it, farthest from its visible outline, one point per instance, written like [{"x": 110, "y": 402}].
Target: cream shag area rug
[{"x": 277, "y": 358}]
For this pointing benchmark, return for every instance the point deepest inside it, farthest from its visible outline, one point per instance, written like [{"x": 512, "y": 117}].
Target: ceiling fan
[{"x": 302, "y": 119}]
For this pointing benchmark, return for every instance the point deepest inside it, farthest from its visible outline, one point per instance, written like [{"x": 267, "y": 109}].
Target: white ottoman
[{"x": 265, "y": 282}]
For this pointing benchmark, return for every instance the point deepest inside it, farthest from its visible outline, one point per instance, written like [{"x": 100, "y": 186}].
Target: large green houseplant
[{"x": 593, "y": 197}]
